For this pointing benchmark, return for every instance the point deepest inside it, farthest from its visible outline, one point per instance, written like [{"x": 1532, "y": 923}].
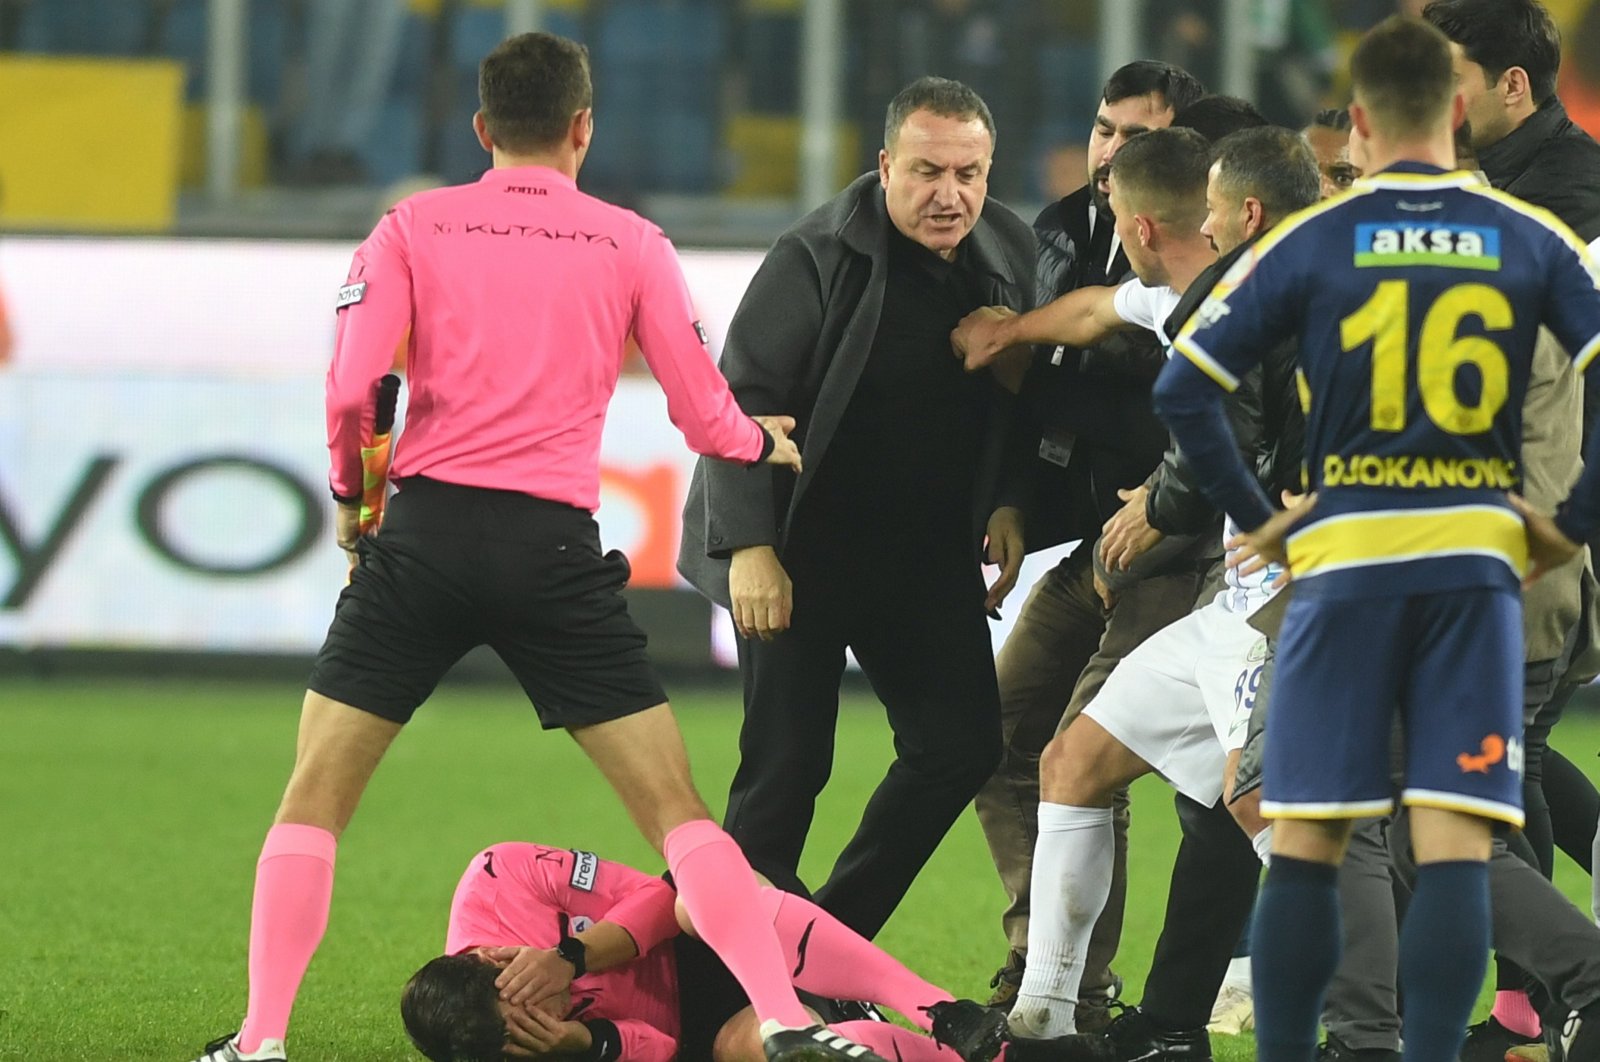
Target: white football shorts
[{"x": 1181, "y": 701}]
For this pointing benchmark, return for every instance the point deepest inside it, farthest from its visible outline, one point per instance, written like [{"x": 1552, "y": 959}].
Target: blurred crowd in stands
[{"x": 701, "y": 96}]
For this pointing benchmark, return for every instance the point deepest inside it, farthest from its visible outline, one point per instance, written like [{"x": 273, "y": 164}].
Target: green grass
[{"x": 131, "y": 814}]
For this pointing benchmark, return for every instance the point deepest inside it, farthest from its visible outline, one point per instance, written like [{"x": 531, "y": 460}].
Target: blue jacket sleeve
[{"x": 1191, "y": 403}]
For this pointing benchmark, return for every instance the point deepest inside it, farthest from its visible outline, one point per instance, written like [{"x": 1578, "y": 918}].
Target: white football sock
[
  {"x": 1071, "y": 880},
  {"x": 1238, "y": 972},
  {"x": 1262, "y": 843}
]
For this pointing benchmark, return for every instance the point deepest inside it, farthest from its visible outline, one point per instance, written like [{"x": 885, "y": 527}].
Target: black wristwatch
[{"x": 573, "y": 950}]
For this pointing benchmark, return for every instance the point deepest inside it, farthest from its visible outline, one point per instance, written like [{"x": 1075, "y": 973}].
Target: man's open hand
[
  {"x": 1006, "y": 548},
  {"x": 1128, "y": 533},
  {"x": 530, "y": 974},
  {"x": 534, "y": 1034}
]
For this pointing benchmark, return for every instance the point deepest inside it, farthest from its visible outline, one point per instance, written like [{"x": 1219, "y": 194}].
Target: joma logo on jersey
[{"x": 1451, "y": 246}]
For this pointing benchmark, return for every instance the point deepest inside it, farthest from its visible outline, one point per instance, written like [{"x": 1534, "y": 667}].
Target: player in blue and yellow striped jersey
[{"x": 1417, "y": 297}]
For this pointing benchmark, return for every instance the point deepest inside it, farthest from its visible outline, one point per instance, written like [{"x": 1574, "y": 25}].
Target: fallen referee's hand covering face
[
  {"x": 452, "y": 1009},
  {"x": 935, "y": 178}
]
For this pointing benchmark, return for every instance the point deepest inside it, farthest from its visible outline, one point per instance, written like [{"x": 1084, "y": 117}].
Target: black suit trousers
[
  {"x": 1209, "y": 901},
  {"x": 920, "y": 635}
]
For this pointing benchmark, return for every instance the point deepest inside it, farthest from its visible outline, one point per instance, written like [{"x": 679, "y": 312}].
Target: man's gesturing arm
[
  {"x": 698, "y": 398},
  {"x": 1079, "y": 318}
]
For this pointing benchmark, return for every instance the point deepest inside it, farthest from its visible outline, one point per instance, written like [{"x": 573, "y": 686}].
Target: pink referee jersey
[
  {"x": 520, "y": 292},
  {"x": 514, "y": 893}
]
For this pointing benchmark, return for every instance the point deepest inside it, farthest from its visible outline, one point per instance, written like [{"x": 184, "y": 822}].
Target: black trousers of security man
[{"x": 920, "y": 636}]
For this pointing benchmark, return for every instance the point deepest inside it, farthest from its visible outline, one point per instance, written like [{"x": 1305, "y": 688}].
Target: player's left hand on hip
[
  {"x": 1547, "y": 547},
  {"x": 1267, "y": 543},
  {"x": 1006, "y": 548},
  {"x": 530, "y": 973},
  {"x": 1128, "y": 534}
]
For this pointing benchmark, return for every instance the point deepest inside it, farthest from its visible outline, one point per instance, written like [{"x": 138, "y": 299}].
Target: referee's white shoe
[{"x": 226, "y": 1049}]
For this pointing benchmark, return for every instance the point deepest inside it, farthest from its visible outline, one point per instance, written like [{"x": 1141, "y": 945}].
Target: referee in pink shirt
[{"x": 519, "y": 292}]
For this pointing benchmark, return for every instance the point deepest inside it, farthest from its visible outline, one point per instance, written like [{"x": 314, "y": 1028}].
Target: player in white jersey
[{"x": 1179, "y": 703}]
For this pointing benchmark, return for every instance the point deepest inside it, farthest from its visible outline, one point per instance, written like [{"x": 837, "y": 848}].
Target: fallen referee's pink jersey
[
  {"x": 520, "y": 293},
  {"x": 515, "y": 894}
]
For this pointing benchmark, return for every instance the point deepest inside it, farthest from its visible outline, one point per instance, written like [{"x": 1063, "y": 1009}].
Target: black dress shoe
[{"x": 1135, "y": 1038}]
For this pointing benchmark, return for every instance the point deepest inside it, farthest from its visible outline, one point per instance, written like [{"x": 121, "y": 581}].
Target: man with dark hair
[
  {"x": 491, "y": 538},
  {"x": 1507, "y": 54},
  {"x": 1333, "y": 119},
  {"x": 1259, "y": 177},
  {"x": 1329, "y": 137},
  {"x": 529, "y": 87},
  {"x": 1408, "y": 568},
  {"x": 1138, "y": 97},
  {"x": 1162, "y": 242},
  {"x": 646, "y": 993},
  {"x": 1169, "y": 706},
  {"x": 939, "y": 96},
  {"x": 1214, "y": 117},
  {"x": 877, "y": 546},
  {"x": 1096, "y": 435}
]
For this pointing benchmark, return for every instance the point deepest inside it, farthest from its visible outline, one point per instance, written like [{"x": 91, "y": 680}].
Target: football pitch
[{"x": 133, "y": 812}]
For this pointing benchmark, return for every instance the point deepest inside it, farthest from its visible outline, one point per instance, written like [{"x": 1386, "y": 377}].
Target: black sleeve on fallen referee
[
  {"x": 768, "y": 444},
  {"x": 605, "y": 1041}
]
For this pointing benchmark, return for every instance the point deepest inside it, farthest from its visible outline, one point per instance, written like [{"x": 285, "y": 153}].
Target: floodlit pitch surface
[{"x": 131, "y": 814}]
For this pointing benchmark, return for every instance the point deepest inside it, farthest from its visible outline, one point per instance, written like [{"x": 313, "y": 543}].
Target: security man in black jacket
[
  {"x": 876, "y": 545},
  {"x": 1507, "y": 54}
]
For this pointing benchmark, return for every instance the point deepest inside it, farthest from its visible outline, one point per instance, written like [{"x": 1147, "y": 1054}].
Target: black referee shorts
[
  {"x": 709, "y": 995},
  {"x": 457, "y": 567}
]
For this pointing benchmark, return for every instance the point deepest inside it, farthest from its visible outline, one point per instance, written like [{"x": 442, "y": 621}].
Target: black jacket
[
  {"x": 797, "y": 345},
  {"x": 1091, "y": 408},
  {"x": 1551, "y": 163},
  {"x": 1264, "y": 411}
]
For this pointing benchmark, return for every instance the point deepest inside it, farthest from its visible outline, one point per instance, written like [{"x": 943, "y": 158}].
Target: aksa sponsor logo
[{"x": 1450, "y": 246}]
